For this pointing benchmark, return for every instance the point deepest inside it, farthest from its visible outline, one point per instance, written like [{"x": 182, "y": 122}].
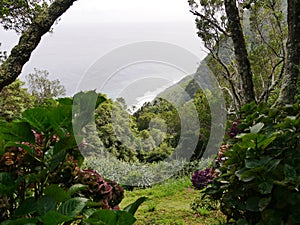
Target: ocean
[{"x": 71, "y": 50}]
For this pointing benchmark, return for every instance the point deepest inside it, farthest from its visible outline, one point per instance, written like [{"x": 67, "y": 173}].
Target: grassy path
[{"x": 169, "y": 203}]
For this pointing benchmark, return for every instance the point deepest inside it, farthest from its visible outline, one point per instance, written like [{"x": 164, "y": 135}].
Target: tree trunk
[
  {"x": 29, "y": 40},
  {"x": 240, "y": 51},
  {"x": 292, "y": 61}
]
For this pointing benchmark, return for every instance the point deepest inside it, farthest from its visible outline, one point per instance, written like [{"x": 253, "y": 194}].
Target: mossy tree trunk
[
  {"x": 240, "y": 51},
  {"x": 11, "y": 68},
  {"x": 292, "y": 61}
]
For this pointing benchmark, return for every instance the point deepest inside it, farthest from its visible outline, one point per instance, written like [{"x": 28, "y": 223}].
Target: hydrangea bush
[
  {"x": 41, "y": 178},
  {"x": 201, "y": 178},
  {"x": 258, "y": 183}
]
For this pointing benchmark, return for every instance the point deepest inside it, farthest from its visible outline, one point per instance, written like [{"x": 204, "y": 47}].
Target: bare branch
[
  {"x": 272, "y": 86},
  {"x": 227, "y": 76},
  {"x": 214, "y": 24}
]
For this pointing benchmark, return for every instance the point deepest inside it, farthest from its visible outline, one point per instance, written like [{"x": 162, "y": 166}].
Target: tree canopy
[
  {"x": 42, "y": 88},
  {"x": 246, "y": 41}
]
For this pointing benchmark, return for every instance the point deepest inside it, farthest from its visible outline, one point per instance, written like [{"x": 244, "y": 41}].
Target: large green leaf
[
  {"x": 110, "y": 217},
  {"x": 7, "y": 184},
  {"x": 266, "y": 187},
  {"x": 21, "y": 221},
  {"x": 61, "y": 120},
  {"x": 245, "y": 175},
  {"x": 65, "y": 144},
  {"x": 132, "y": 208},
  {"x": 254, "y": 163},
  {"x": 17, "y": 132},
  {"x": 57, "y": 193},
  {"x": 27, "y": 207},
  {"x": 84, "y": 104},
  {"x": 102, "y": 217},
  {"x": 73, "y": 206},
  {"x": 54, "y": 218},
  {"x": 53, "y": 160},
  {"x": 45, "y": 204},
  {"x": 83, "y": 109},
  {"x": 77, "y": 187},
  {"x": 290, "y": 173},
  {"x": 38, "y": 118},
  {"x": 65, "y": 101},
  {"x": 267, "y": 141},
  {"x": 272, "y": 164},
  {"x": 256, "y": 128},
  {"x": 125, "y": 218}
]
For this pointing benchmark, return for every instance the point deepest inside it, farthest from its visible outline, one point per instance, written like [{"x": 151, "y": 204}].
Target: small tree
[
  {"x": 14, "y": 99},
  {"x": 42, "y": 88}
]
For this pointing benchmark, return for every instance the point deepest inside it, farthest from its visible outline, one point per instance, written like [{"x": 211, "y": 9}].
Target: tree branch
[
  {"x": 11, "y": 68},
  {"x": 227, "y": 76},
  {"x": 266, "y": 93},
  {"x": 217, "y": 26}
]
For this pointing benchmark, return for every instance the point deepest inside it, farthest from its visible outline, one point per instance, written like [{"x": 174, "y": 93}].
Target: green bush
[
  {"x": 259, "y": 181},
  {"x": 41, "y": 180},
  {"x": 141, "y": 174}
]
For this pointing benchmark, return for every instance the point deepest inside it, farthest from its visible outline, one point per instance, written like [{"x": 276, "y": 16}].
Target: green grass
[{"x": 169, "y": 203}]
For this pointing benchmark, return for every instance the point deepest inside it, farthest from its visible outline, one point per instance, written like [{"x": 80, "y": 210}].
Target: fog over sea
[{"x": 71, "y": 50}]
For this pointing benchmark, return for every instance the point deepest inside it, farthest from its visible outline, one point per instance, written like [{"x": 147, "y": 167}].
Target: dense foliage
[
  {"x": 259, "y": 180},
  {"x": 17, "y": 15},
  {"x": 14, "y": 100},
  {"x": 251, "y": 44},
  {"x": 41, "y": 180}
]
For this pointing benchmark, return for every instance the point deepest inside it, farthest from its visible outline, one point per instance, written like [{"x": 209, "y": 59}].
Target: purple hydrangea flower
[
  {"x": 234, "y": 130},
  {"x": 201, "y": 178}
]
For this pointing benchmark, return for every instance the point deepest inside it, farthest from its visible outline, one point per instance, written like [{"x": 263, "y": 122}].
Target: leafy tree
[
  {"x": 204, "y": 115},
  {"x": 116, "y": 130},
  {"x": 246, "y": 40},
  {"x": 14, "y": 99},
  {"x": 32, "y": 19},
  {"x": 42, "y": 88},
  {"x": 17, "y": 15},
  {"x": 213, "y": 29}
]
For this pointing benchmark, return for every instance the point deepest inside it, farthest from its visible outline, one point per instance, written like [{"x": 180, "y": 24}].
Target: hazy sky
[
  {"x": 128, "y": 11},
  {"x": 93, "y": 28}
]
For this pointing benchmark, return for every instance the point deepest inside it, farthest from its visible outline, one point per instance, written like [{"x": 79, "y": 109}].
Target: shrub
[
  {"x": 140, "y": 174},
  {"x": 259, "y": 181},
  {"x": 41, "y": 181},
  {"x": 201, "y": 178}
]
